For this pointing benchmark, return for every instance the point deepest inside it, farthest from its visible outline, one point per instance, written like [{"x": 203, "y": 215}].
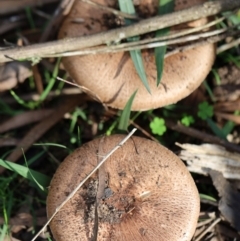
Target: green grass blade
[
  {"x": 207, "y": 197},
  {"x": 138, "y": 63},
  {"x": 165, "y": 6},
  {"x": 128, "y": 7},
  {"x": 52, "y": 81},
  {"x": 50, "y": 144},
  {"x": 4, "y": 232},
  {"x": 125, "y": 116},
  {"x": 43, "y": 96},
  {"x": 159, "y": 60},
  {"x": 216, "y": 130},
  {"x": 209, "y": 91},
  {"x": 27, "y": 173},
  {"x": 228, "y": 128},
  {"x": 32, "y": 175},
  {"x": 28, "y": 11}
]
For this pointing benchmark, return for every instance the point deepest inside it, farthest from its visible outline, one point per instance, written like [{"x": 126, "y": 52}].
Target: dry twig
[
  {"x": 116, "y": 35},
  {"x": 201, "y": 135}
]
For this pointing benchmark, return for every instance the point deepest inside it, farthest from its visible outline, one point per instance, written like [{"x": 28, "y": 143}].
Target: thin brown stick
[
  {"x": 37, "y": 51},
  {"x": 202, "y": 136},
  {"x": 213, "y": 39},
  {"x": 175, "y": 34},
  {"x": 212, "y": 36},
  {"x": 227, "y": 46},
  {"x": 143, "y": 131},
  {"x": 208, "y": 229}
]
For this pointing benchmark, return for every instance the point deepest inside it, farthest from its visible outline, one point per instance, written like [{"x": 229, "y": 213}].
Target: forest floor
[{"x": 42, "y": 120}]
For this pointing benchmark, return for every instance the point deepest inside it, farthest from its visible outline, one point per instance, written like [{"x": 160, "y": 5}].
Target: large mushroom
[
  {"x": 143, "y": 192},
  {"x": 112, "y": 78}
]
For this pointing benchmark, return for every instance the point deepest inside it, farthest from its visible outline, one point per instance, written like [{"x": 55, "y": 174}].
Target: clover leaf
[
  {"x": 187, "y": 120},
  {"x": 205, "y": 110},
  {"x": 157, "y": 126}
]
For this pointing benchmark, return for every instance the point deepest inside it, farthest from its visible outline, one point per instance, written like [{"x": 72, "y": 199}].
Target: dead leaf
[
  {"x": 230, "y": 199},
  {"x": 203, "y": 158},
  {"x": 13, "y": 73}
]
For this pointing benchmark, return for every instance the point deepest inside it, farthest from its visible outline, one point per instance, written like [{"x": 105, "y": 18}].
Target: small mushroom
[
  {"x": 112, "y": 78},
  {"x": 142, "y": 192}
]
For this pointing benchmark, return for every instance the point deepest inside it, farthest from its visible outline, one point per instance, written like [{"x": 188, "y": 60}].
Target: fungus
[
  {"x": 113, "y": 77},
  {"x": 142, "y": 192}
]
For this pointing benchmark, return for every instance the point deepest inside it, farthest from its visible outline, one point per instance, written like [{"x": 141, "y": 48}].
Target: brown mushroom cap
[
  {"x": 112, "y": 78},
  {"x": 144, "y": 192}
]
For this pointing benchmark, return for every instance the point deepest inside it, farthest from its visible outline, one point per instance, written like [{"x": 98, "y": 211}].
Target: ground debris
[
  {"x": 203, "y": 158},
  {"x": 230, "y": 199},
  {"x": 13, "y": 73},
  {"x": 228, "y": 90}
]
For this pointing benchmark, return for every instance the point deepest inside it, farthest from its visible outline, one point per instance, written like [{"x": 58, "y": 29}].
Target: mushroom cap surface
[
  {"x": 144, "y": 192},
  {"x": 112, "y": 77}
]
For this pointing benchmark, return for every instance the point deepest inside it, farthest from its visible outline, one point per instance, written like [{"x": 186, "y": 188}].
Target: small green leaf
[
  {"x": 205, "y": 110},
  {"x": 165, "y": 6},
  {"x": 157, "y": 126},
  {"x": 187, "y": 120},
  {"x": 27, "y": 173},
  {"x": 124, "y": 118},
  {"x": 128, "y": 7}
]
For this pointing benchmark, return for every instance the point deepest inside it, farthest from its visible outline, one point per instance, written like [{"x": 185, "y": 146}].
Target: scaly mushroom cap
[
  {"x": 112, "y": 78},
  {"x": 144, "y": 192}
]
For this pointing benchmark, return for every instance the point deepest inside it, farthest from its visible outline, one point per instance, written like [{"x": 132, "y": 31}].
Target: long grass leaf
[
  {"x": 138, "y": 63},
  {"x": 228, "y": 127},
  {"x": 216, "y": 130},
  {"x": 128, "y": 7},
  {"x": 124, "y": 118},
  {"x": 27, "y": 173},
  {"x": 165, "y": 6}
]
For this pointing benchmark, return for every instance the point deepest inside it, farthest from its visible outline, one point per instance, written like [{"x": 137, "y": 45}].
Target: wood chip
[{"x": 203, "y": 158}]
